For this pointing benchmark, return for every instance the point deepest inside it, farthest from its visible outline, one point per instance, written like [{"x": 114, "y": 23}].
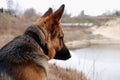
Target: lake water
[{"x": 96, "y": 62}]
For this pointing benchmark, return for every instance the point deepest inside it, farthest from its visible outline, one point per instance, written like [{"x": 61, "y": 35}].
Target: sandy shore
[
  {"x": 110, "y": 35},
  {"x": 87, "y": 43}
]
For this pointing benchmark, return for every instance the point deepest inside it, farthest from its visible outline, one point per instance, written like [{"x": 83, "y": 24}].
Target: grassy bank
[{"x": 58, "y": 73}]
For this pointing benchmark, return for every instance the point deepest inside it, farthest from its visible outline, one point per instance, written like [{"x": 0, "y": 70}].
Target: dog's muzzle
[{"x": 63, "y": 54}]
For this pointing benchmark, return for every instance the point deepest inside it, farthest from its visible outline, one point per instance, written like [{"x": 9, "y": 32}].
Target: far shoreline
[{"x": 78, "y": 44}]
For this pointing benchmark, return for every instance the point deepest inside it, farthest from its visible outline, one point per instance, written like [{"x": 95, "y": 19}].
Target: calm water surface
[{"x": 97, "y": 62}]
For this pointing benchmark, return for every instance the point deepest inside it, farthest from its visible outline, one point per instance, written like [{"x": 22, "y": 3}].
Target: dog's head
[{"x": 49, "y": 23}]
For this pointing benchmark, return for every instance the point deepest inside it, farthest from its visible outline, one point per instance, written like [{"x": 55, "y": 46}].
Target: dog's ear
[
  {"x": 58, "y": 13},
  {"x": 48, "y": 12},
  {"x": 54, "y": 20}
]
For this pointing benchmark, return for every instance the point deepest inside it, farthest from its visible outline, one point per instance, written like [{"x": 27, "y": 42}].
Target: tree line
[{"x": 31, "y": 14}]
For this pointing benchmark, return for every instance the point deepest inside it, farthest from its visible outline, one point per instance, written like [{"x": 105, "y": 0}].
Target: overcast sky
[{"x": 91, "y": 7}]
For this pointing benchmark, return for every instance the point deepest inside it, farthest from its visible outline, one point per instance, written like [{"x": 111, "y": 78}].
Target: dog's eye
[
  {"x": 52, "y": 24},
  {"x": 44, "y": 22},
  {"x": 61, "y": 36}
]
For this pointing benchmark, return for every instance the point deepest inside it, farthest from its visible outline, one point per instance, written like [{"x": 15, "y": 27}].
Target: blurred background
[{"x": 92, "y": 33}]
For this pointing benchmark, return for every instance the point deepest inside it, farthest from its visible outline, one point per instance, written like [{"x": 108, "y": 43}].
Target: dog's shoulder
[
  {"x": 18, "y": 54},
  {"x": 19, "y": 49}
]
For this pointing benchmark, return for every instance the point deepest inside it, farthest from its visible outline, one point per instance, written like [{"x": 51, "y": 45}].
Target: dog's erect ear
[
  {"x": 48, "y": 12},
  {"x": 57, "y": 14},
  {"x": 51, "y": 20}
]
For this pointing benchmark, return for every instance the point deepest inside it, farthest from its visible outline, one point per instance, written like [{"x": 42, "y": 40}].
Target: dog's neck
[{"x": 38, "y": 36}]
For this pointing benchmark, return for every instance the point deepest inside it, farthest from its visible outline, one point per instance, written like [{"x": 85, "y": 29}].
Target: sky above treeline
[{"x": 73, "y": 7}]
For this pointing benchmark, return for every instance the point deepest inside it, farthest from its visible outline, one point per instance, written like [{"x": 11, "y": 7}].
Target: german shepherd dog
[{"x": 26, "y": 56}]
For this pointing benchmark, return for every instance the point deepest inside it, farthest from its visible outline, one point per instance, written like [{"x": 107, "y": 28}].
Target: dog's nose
[{"x": 63, "y": 54}]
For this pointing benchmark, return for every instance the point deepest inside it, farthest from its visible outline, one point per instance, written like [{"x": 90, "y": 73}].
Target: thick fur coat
[{"x": 26, "y": 56}]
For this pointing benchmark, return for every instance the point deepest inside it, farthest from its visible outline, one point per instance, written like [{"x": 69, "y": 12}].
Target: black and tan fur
[{"x": 26, "y": 56}]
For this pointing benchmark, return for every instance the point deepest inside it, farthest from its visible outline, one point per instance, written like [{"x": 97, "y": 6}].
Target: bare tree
[
  {"x": 10, "y": 6},
  {"x": 29, "y": 13},
  {"x": 1, "y": 10},
  {"x": 117, "y": 13},
  {"x": 17, "y": 10}
]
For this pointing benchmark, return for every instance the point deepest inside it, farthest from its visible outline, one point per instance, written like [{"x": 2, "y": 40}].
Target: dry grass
[{"x": 58, "y": 73}]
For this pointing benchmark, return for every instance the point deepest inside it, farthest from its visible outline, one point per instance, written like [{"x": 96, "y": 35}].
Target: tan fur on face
[
  {"x": 51, "y": 50},
  {"x": 49, "y": 23},
  {"x": 58, "y": 43}
]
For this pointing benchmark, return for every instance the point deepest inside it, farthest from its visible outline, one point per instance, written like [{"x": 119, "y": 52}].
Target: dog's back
[{"x": 20, "y": 58}]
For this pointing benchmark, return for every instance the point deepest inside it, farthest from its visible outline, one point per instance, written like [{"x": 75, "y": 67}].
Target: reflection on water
[{"x": 97, "y": 62}]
